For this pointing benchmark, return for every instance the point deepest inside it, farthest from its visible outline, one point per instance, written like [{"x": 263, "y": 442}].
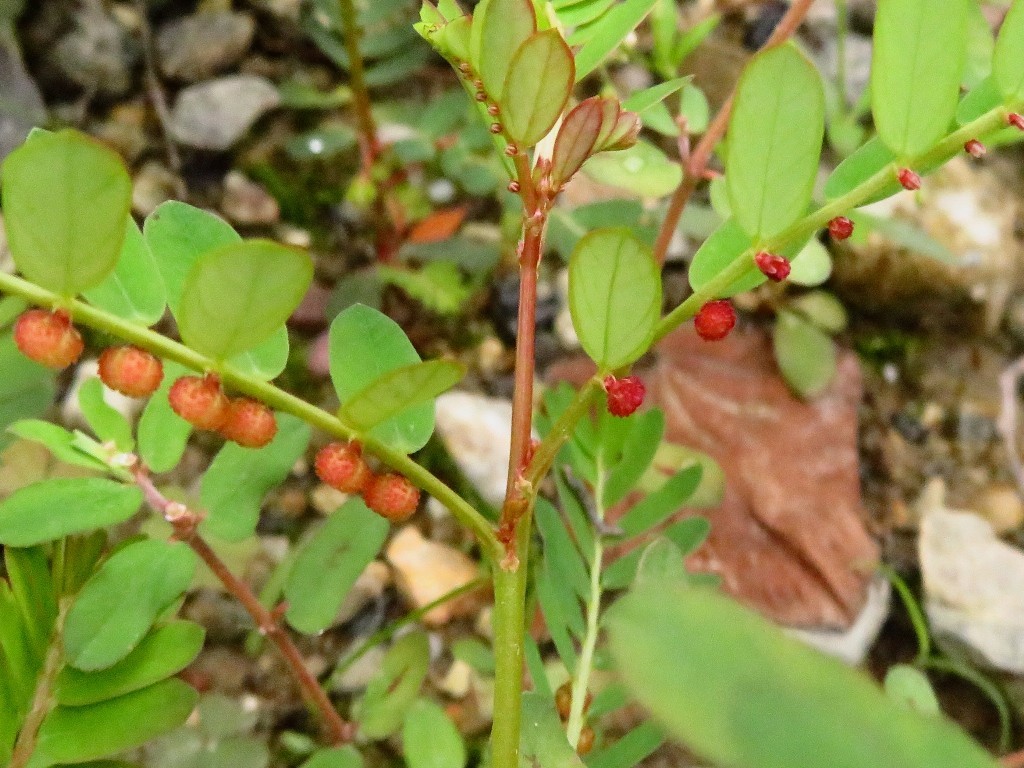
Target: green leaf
[
  {"x": 561, "y": 555},
  {"x": 917, "y": 61},
  {"x": 399, "y": 390},
  {"x": 61, "y": 443},
  {"x": 235, "y": 297},
  {"x": 609, "y": 33},
  {"x": 661, "y": 563},
  {"x": 234, "y": 486},
  {"x": 106, "y": 422},
  {"x": 865, "y": 162},
  {"x": 630, "y": 750},
  {"x": 328, "y": 564},
  {"x": 439, "y": 285},
  {"x": 366, "y": 344},
  {"x": 806, "y": 355},
  {"x": 26, "y": 388},
  {"x": 134, "y": 290},
  {"x": 163, "y": 652},
  {"x": 911, "y": 687},
  {"x": 119, "y": 604},
  {"x": 641, "y": 442},
  {"x": 162, "y": 433},
  {"x": 77, "y": 734},
  {"x": 736, "y": 690},
  {"x": 726, "y": 244},
  {"x": 267, "y": 359},
  {"x": 775, "y": 134},
  {"x": 614, "y": 296},
  {"x": 542, "y": 741},
  {"x": 338, "y": 757},
  {"x": 52, "y": 509},
  {"x": 392, "y": 692},
  {"x": 823, "y": 310},
  {"x": 66, "y": 201},
  {"x": 1007, "y": 61},
  {"x": 499, "y": 28},
  {"x": 430, "y": 738},
  {"x": 655, "y": 507},
  {"x": 643, "y": 169},
  {"x": 648, "y": 97},
  {"x": 538, "y": 85},
  {"x": 812, "y": 266},
  {"x": 34, "y": 593}
]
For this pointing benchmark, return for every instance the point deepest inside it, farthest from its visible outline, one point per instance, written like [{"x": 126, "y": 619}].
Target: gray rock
[
  {"x": 21, "y": 105},
  {"x": 974, "y": 588},
  {"x": 216, "y": 114},
  {"x": 154, "y": 184},
  {"x": 199, "y": 46},
  {"x": 476, "y": 429},
  {"x": 98, "y": 54},
  {"x": 246, "y": 202}
]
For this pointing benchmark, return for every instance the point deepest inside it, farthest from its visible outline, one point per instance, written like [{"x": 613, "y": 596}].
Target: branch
[
  {"x": 186, "y": 529},
  {"x": 369, "y": 145}
]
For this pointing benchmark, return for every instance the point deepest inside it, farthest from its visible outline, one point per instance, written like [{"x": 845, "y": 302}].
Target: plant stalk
[{"x": 369, "y": 145}]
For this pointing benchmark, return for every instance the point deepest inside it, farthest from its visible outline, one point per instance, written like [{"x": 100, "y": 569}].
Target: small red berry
[
  {"x": 624, "y": 395},
  {"x": 715, "y": 320},
  {"x": 49, "y": 338},
  {"x": 249, "y": 423},
  {"x": 131, "y": 371},
  {"x": 342, "y": 467},
  {"x": 1016, "y": 120},
  {"x": 773, "y": 266},
  {"x": 840, "y": 228},
  {"x": 975, "y": 148},
  {"x": 908, "y": 179},
  {"x": 392, "y": 496},
  {"x": 200, "y": 401}
]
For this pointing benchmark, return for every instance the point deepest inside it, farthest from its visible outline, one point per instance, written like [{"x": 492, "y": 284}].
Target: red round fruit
[
  {"x": 840, "y": 228},
  {"x": 131, "y": 371},
  {"x": 341, "y": 466},
  {"x": 773, "y": 266},
  {"x": 49, "y": 338},
  {"x": 908, "y": 179},
  {"x": 624, "y": 395},
  {"x": 200, "y": 401},
  {"x": 715, "y": 319},
  {"x": 249, "y": 423},
  {"x": 392, "y": 496}
]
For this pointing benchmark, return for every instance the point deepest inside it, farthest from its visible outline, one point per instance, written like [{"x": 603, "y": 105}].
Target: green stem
[
  {"x": 262, "y": 390},
  {"x": 560, "y": 432},
  {"x": 368, "y": 143}
]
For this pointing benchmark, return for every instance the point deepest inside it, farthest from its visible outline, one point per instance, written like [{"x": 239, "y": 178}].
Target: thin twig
[
  {"x": 1007, "y": 421},
  {"x": 695, "y": 167},
  {"x": 186, "y": 525},
  {"x": 369, "y": 145}
]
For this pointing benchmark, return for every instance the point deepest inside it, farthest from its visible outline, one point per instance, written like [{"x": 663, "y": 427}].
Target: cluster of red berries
[
  {"x": 625, "y": 395},
  {"x": 390, "y": 495},
  {"x": 200, "y": 400}
]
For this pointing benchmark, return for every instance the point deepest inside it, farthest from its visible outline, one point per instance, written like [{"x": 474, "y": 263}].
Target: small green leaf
[
  {"x": 609, "y": 33},
  {"x": 430, "y": 738},
  {"x": 775, "y": 134},
  {"x": 328, "y": 564},
  {"x": 26, "y": 388},
  {"x": 726, "y": 244},
  {"x": 806, "y": 355},
  {"x": 499, "y": 28},
  {"x": 654, "y": 508},
  {"x": 1007, "y": 61},
  {"x": 614, "y": 296},
  {"x": 366, "y": 344},
  {"x": 237, "y": 296},
  {"x": 865, "y": 162},
  {"x": 119, "y": 604},
  {"x": 392, "y": 692},
  {"x": 643, "y": 435},
  {"x": 661, "y": 563},
  {"x": 399, "y": 390},
  {"x": 53, "y": 509},
  {"x": 561, "y": 556},
  {"x": 538, "y": 85},
  {"x": 823, "y": 310},
  {"x": 163, "y": 652},
  {"x": 643, "y": 169},
  {"x": 78, "y": 734},
  {"x": 59, "y": 441},
  {"x": 542, "y": 741},
  {"x": 736, "y": 690},
  {"x": 106, "y": 422},
  {"x": 648, "y": 97},
  {"x": 337, "y": 757},
  {"x": 239, "y": 478},
  {"x": 630, "y": 750},
  {"x": 812, "y": 265},
  {"x": 134, "y": 290},
  {"x": 439, "y": 286},
  {"x": 162, "y": 433},
  {"x": 917, "y": 61},
  {"x": 66, "y": 201},
  {"x": 911, "y": 687}
]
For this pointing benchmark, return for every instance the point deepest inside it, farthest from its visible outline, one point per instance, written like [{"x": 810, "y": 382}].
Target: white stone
[
  {"x": 476, "y": 430},
  {"x": 852, "y": 645},
  {"x": 217, "y": 113}
]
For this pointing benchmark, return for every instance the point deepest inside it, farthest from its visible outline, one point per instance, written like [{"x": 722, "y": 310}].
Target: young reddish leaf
[
  {"x": 916, "y": 66},
  {"x": 539, "y": 81},
  {"x": 499, "y": 28},
  {"x": 609, "y": 117},
  {"x": 440, "y": 225},
  {"x": 576, "y": 139},
  {"x": 624, "y": 132},
  {"x": 1008, "y": 60}
]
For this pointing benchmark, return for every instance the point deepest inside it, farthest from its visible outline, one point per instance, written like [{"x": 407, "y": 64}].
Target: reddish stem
[
  {"x": 186, "y": 525},
  {"x": 369, "y": 145},
  {"x": 695, "y": 166}
]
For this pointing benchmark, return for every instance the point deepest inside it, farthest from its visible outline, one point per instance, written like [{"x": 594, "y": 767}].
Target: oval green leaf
[
  {"x": 119, "y": 604},
  {"x": 805, "y": 354},
  {"x": 870, "y": 158},
  {"x": 163, "y": 652},
  {"x": 1008, "y": 58},
  {"x": 499, "y": 28},
  {"x": 53, "y": 509},
  {"x": 614, "y": 296},
  {"x": 336, "y": 757},
  {"x": 539, "y": 81},
  {"x": 399, "y": 390},
  {"x": 329, "y": 563},
  {"x": 134, "y": 290},
  {"x": 365, "y": 345},
  {"x": 734, "y": 688},
  {"x": 106, "y": 422},
  {"x": 609, "y": 32},
  {"x": 775, "y": 134},
  {"x": 163, "y": 434},
  {"x": 237, "y": 296},
  {"x": 916, "y": 66},
  {"x": 396, "y": 686},
  {"x": 66, "y": 201},
  {"x": 726, "y": 244},
  {"x": 26, "y": 388},
  {"x": 78, "y": 734},
  {"x": 430, "y": 738},
  {"x": 643, "y": 169}
]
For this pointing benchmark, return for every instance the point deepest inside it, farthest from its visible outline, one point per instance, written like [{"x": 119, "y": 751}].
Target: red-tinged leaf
[
  {"x": 624, "y": 133},
  {"x": 539, "y": 81},
  {"x": 576, "y": 140},
  {"x": 438, "y": 226},
  {"x": 609, "y": 117}
]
